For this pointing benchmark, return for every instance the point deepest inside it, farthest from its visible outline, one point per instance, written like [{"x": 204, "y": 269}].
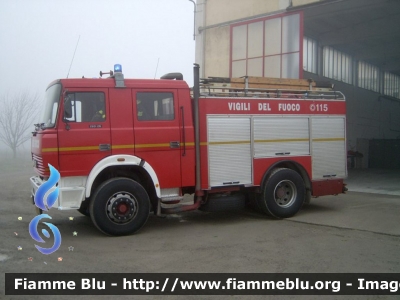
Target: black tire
[
  {"x": 120, "y": 206},
  {"x": 283, "y": 193}
]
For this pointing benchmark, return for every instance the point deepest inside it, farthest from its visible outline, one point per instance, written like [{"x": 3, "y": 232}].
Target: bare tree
[{"x": 17, "y": 115}]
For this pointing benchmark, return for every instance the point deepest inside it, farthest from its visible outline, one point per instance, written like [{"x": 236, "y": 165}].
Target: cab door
[
  {"x": 157, "y": 133},
  {"x": 84, "y": 131}
]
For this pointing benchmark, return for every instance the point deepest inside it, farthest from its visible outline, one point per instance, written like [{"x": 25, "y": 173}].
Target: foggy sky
[{"x": 38, "y": 39}]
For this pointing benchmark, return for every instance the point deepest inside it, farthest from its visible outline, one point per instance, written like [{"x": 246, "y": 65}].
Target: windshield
[{"x": 51, "y": 108}]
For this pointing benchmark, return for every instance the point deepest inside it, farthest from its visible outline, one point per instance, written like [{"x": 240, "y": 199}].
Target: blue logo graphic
[
  {"x": 45, "y": 187},
  {"x": 51, "y": 198},
  {"x": 35, "y": 235}
]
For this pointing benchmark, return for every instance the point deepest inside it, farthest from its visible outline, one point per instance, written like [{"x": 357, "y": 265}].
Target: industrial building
[{"x": 354, "y": 44}]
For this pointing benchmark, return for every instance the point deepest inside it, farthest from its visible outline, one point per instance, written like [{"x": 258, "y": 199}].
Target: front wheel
[
  {"x": 283, "y": 193},
  {"x": 120, "y": 206}
]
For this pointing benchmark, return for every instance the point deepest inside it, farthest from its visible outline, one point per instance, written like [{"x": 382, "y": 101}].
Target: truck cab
[{"x": 97, "y": 129}]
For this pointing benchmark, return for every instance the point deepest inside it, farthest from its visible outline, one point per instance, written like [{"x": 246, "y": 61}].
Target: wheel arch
[
  {"x": 288, "y": 164},
  {"x": 124, "y": 166}
]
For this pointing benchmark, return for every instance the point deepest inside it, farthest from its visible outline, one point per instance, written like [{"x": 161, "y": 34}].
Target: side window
[
  {"x": 85, "y": 107},
  {"x": 155, "y": 106}
]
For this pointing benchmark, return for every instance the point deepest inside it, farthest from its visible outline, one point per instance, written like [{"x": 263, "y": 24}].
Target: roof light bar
[{"x": 118, "y": 68}]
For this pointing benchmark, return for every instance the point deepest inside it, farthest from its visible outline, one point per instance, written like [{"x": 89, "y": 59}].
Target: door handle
[
  {"x": 174, "y": 144},
  {"x": 104, "y": 147}
]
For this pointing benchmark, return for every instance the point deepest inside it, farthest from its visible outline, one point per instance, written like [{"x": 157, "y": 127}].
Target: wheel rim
[
  {"x": 285, "y": 193},
  {"x": 121, "y": 208}
]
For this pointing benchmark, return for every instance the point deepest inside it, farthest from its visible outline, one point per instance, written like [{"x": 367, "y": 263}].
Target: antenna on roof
[
  {"x": 155, "y": 74},
  {"x": 73, "y": 55}
]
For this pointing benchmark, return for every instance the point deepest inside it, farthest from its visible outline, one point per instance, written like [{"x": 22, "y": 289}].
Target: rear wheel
[
  {"x": 120, "y": 206},
  {"x": 283, "y": 193}
]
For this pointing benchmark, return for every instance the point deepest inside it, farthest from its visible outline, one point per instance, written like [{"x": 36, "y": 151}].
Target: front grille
[{"x": 38, "y": 164}]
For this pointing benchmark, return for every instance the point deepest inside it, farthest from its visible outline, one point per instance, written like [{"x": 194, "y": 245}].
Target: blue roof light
[{"x": 117, "y": 68}]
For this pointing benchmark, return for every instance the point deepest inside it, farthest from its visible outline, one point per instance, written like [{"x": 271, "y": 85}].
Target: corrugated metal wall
[{"x": 384, "y": 154}]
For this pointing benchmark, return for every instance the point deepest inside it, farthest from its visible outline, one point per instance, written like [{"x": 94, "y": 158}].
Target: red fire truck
[{"x": 126, "y": 147}]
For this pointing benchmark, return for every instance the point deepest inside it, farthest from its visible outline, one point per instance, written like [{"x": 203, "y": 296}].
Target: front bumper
[
  {"x": 36, "y": 181},
  {"x": 70, "y": 197}
]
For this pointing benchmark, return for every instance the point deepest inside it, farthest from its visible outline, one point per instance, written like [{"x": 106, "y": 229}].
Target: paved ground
[
  {"x": 374, "y": 181},
  {"x": 356, "y": 232}
]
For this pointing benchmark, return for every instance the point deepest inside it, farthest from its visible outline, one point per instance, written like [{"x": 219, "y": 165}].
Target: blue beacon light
[{"x": 117, "y": 68}]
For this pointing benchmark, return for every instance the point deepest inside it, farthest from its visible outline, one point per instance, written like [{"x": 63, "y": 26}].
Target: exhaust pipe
[
  {"x": 196, "y": 96},
  {"x": 198, "y": 192}
]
